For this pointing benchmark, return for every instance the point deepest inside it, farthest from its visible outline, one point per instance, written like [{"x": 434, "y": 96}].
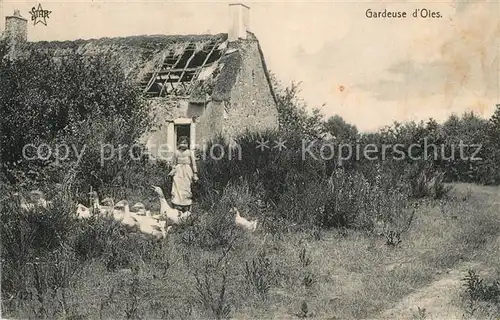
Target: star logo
[
  {"x": 262, "y": 144},
  {"x": 280, "y": 144},
  {"x": 39, "y": 15}
]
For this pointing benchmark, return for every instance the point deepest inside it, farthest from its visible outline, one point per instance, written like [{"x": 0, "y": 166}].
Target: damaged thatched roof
[{"x": 195, "y": 66}]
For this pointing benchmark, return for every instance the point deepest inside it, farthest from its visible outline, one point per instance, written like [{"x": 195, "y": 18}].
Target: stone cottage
[{"x": 200, "y": 86}]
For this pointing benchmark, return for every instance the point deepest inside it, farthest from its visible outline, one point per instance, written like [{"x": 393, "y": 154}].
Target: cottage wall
[
  {"x": 160, "y": 138},
  {"x": 252, "y": 106},
  {"x": 247, "y": 105},
  {"x": 209, "y": 124}
]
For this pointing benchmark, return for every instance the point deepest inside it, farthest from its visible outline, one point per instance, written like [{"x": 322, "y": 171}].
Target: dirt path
[{"x": 437, "y": 298}]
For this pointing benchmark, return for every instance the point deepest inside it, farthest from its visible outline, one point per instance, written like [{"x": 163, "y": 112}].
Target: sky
[{"x": 369, "y": 71}]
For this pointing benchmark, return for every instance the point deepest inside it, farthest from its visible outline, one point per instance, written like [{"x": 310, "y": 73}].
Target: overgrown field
[{"x": 211, "y": 270}]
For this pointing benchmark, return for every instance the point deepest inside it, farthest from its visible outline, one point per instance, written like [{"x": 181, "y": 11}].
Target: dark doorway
[{"x": 182, "y": 130}]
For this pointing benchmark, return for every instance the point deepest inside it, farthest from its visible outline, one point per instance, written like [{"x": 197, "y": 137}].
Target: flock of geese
[{"x": 136, "y": 217}]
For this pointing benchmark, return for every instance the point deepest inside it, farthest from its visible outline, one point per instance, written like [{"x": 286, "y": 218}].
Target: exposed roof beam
[
  {"x": 153, "y": 77},
  {"x": 168, "y": 74},
  {"x": 180, "y": 70},
  {"x": 187, "y": 64},
  {"x": 216, "y": 44},
  {"x": 162, "y": 75}
]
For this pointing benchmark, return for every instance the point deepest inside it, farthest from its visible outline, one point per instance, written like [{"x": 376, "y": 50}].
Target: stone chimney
[
  {"x": 16, "y": 27},
  {"x": 239, "y": 21}
]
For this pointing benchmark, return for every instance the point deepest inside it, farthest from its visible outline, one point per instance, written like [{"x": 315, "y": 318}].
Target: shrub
[
  {"x": 258, "y": 274},
  {"x": 428, "y": 182},
  {"x": 478, "y": 289},
  {"x": 59, "y": 94},
  {"x": 349, "y": 194},
  {"x": 28, "y": 235},
  {"x": 215, "y": 227},
  {"x": 75, "y": 101},
  {"x": 268, "y": 168},
  {"x": 481, "y": 294},
  {"x": 302, "y": 204}
]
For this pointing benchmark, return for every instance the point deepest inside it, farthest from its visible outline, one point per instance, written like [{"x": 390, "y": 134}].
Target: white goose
[
  {"x": 94, "y": 201},
  {"x": 37, "y": 199},
  {"x": 122, "y": 214},
  {"x": 153, "y": 227},
  {"x": 144, "y": 223},
  {"x": 40, "y": 199},
  {"x": 174, "y": 215},
  {"x": 242, "y": 222},
  {"x": 82, "y": 212},
  {"x": 23, "y": 203},
  {"x": 140, "y": 209},
  {"x": 121, "y": 207},
  {"x": 107, "y": 206},
  {"x": 181, "y": 217}
]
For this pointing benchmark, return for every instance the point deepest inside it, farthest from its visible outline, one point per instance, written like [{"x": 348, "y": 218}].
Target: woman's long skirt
[{"x": 181, "y": 186}]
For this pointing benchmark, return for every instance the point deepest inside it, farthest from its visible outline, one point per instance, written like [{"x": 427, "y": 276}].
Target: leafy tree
[
  {"x": 340, "y": 129},
  {"x": 495, "y": 118},
  {"x": 293, "y": 114},
  {"x": 72, "y": 99},
  {"x": 490, "y": 171},
  {"x": 464, "y": 133}
]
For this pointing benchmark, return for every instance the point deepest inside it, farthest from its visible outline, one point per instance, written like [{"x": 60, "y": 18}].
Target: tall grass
[{"x": 47, "y": 251}]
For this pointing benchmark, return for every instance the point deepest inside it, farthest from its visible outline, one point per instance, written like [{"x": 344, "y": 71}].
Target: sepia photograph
[{"x": 164, "y": 159}]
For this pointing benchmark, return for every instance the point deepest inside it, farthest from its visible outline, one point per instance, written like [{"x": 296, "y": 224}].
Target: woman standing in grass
[{"x": 184, "y": 172}]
